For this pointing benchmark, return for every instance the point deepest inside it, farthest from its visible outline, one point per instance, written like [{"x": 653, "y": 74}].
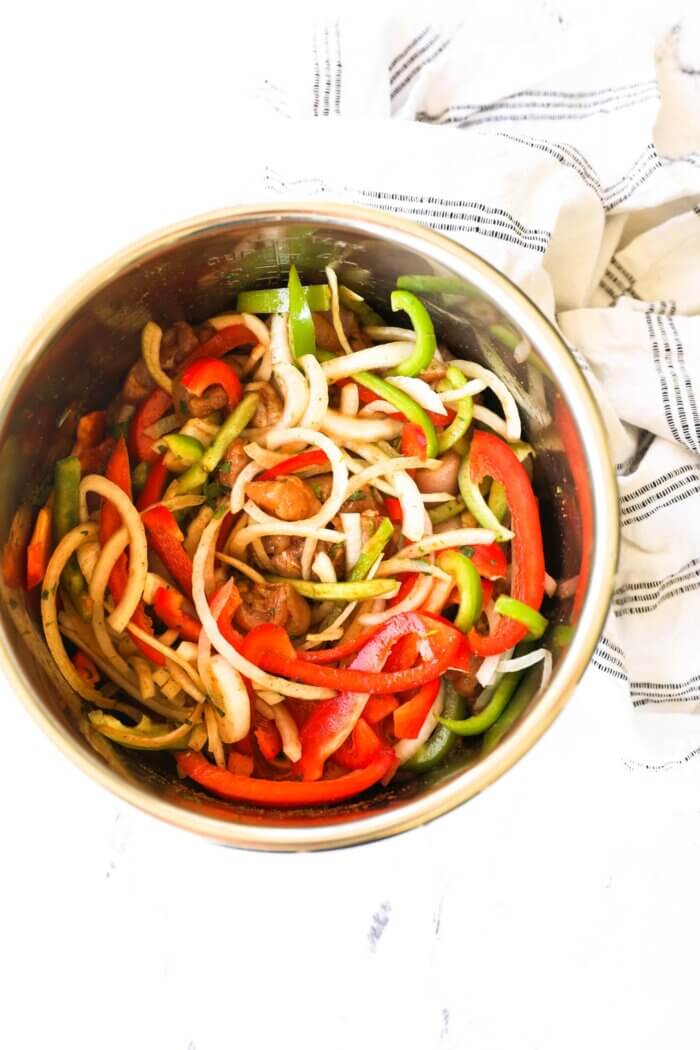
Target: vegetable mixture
[{"x": 298, "y": 551}]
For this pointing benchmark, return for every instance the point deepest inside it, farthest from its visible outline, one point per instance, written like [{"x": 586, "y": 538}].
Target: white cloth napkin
[{"x": 584, "y": 189}]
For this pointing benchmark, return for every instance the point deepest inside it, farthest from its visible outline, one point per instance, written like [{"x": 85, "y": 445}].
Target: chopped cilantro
[
  {"x": 469, "y": 551},
  {"x": 355, "y": 496},
  {"x": 183, "y": 407}
]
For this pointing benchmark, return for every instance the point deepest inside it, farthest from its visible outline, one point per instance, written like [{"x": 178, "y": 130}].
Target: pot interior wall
[{"x": 195, "y": 277}]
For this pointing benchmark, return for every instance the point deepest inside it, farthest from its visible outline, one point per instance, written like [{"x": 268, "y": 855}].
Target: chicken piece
[
  {"x": 178, "y": 341},
  {"x": 285, "y": 554},
  {"x": 465, "y": 682},
  {"x": 269, "y": 408},
  {"x": 233, "y": 463},
  {"x": 276, "y": 603},
  {"x": 361, "y": 499},
  {"x": 288, "y": 498},
  {"x": 138, "y": 383},
  {"x": 326, "y": 337},
  {"x": 442, "y": 478},
  {"x": 212, "y": 400}
]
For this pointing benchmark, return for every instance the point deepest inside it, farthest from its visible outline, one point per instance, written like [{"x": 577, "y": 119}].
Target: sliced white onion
[
  {"x": 352, "y": 527},
  {"x": 203, "y": 643},
  {"x": 270, "y": 698},
  {"x": 349, "y": 399},
  {"x": 201, "y": 429},
  {"x": 87, "y": 555},
  {"x": 279, "y": 528},
  {"x": 389, "y": 466},
  {"x": 385, "y": 333},
  {"x": 162, "y": 426},
  {"x": 288, "y": 377},
  {"x": 249, "y": 321},
  {"x": 289, "y": 734},
  {"x": 413, "y": 600},
  {"x": 264, "y": 372},
  {"x": 421, "y": 393},
  {"x": 241, "y": 566},
  {"x": 214, "y": 743},
  {"x": 234, "y": 724},
  {"x": 519, "y": 663},
  {"x": 376, "y": 408},
  {"x": 413, "y": 516},
  {"x": 338, "y": 466},
  {"x": 263, "y": 456},
  {"x": 323, "y": 567},
  {"x": 470, "y": 389},
  {"x": 510, "y": 409},
  {"x": 522, "y": 351},
  {"x": 550, "y": 585},
  {"x": 374, "y": 357},
  {"x": 335, "y": 310},
  {"x": 398, "y": 565},
  {"x": 195, "y": 529},
  {"x": 489, "y": 667},
  {"x": 439, "y": 595},
  {"x": 151, "y": 337},
  {"x": 108, "y": 557},
  {"x": 317, "y": 394},
  {"x": 453, "y": 538},
  {"x": 138, "y": 547},
  {"x": 183, "y": 681},
  {"x": 207, "y": 546},
  {"x": 238, "y": 488},
  {"x": 485, "y": 415},
  {"x": 405, "y": 749},
  {"x": 354, "y": 428},
  {"x": 188, "y": 650},
  {"x": 307, "y": 556}
]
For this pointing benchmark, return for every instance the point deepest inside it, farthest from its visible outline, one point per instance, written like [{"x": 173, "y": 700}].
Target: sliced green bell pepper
[
  {"x": 371, "y": 550},
  {"x": 442, "y": 741},
  {"x": 426, "y": 344},
  {"x": 445, "y": 511},
  {"x": 471, "y": 494},
  {"x": 138, "y": 477},
  {"x": 197, "y": 474},
  {"x": 468, "y": 581},
  {"x": 350, "y": 591},
  {"x": 65, "y": 516},
  {"x": 276, "y": 300},
  {"x": 500, "y": 695},
  {"x": 404, "y": 404},
  {"x": 144, "y": 736},
  {"x": 465, "y": 410},
  {"x": 524, "y": 614},
  {"x": 185, "y": 450},
  {"x": 497, "y": 502},
  {"x": 301, "y": 324}
]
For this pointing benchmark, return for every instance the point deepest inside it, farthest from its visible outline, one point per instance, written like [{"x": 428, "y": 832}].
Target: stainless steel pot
[{"x": 83, "y": 349}]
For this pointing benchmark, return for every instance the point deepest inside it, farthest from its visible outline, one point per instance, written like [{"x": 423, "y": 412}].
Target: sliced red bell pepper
[
  {"x": 410, "y": 716},
  {"x": 167, "y": 603},
  {"x": 367, "y": 396},
  {"x": 86, "y": 667},
  {"x": 268, "y": 739},
  {"x": 338, "y": 652},
  {"x": 119, "y": 472},
  {"x": 225, "y": 340},
  {"x": 407, "y": 585},
  {"x": 378, "y": 707},
  {"x": 283, "y": 793},
  {"x": 269, "y": 647},
  {"x": 39, "y": 548},
  {"x": 360, "y": 747},
  {"x": 93, "y": 460},
  {"x": 489, "y": 456},
  {"x": 225, "y": 620},
  {"x": 413, "y": 442},
  {"x": 393, "y": 508},
  {"x": 166, "y": 538},
  {"x": 206, "y": 372},
  {"x": 486, "y": 591},
  {"x": 154, "y": 487},
  {"x": 149, "y": 412},
  {"x": 404, "y": 654},
  {"x": 331, "y": 721},
  {"x": 315, "y": 458},
  {"x": 489, "y": 560}
]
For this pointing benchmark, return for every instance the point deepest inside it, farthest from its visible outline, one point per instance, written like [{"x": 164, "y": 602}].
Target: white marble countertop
[{"x": 556, "y": 910}]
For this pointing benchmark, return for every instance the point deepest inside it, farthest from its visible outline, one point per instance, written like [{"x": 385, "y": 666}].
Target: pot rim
[{"x": 550, "y": 345}]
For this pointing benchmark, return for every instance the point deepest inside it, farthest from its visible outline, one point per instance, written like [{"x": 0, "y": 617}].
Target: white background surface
[{"x": 558, "y": 910}]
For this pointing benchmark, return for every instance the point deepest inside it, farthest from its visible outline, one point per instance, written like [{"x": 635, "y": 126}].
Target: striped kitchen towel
[{"x": 583, "y": 187}]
